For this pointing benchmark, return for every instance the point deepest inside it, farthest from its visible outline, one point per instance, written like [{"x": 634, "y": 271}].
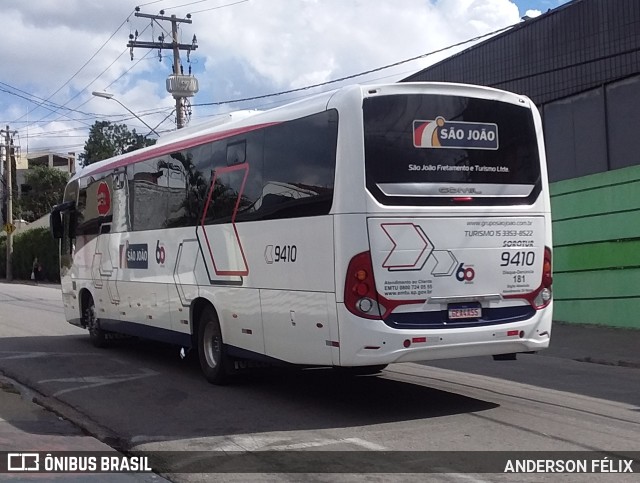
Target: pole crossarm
[
  {"x": 160, "y": 45},
  {"x": 175, "y": 46},
  {"x": 173, "y": 18}
]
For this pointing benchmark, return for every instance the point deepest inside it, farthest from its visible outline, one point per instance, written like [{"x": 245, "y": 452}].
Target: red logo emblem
[{"x": 104, "y": 198}]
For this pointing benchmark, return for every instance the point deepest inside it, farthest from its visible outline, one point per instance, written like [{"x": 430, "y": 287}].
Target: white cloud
[
  {"x": 333, "y": 38},
  {"x": 533, "y": 13},
  {"x": 244, "y": 50}
]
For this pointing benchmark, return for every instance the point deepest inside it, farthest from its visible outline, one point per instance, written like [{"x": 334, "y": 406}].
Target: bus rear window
[{"x": 429, "y": 149}]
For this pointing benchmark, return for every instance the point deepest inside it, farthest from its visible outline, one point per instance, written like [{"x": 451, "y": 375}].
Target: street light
[{"x": 108, "y": 95}]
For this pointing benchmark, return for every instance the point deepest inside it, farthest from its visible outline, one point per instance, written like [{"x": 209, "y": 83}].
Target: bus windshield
[{"x": 427, "y": 149}]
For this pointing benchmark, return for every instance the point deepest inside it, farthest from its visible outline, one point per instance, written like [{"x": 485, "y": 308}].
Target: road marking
[
  {"x": 267, "y": 443},
  {"x": 452, "y": 475},
  {"x": 301, "y": 445},
  {"x": 365, "y": 444},
  {"x": 98, "y": 381},
  {"x": 252, "y": 443},
  {"x": 35, "y": 355}
]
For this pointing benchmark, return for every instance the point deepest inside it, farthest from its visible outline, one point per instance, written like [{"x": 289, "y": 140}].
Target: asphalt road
[{"x": 142, "y": 396}]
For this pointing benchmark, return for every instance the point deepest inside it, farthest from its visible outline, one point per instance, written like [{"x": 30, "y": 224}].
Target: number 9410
[
  {"x": 285, "y": 253},
  {"x": 519, "y": 259}
]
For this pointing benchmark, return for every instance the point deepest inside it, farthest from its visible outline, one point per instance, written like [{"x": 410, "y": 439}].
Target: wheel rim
[{"x": 211, "y": 345}]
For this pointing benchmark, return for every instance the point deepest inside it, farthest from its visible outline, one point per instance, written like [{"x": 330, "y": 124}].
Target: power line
[
  {"x": 194, "y": 3},
  {"x": 150, "y": 3},
  {"x": 38, "y": 100},
  {"x": 80, "y": 69},
  {"x": 352, "y": 76},
  {"x": 221, "y": 6},
  {"x": 100, "y": 75},
  {"x": 58, "y": 148},
  {"x": 144, "y": 57},
  {"x": 94, "y": 115},
  {"x": 179, "y": 85},
  {"x": 185, "y": 4},
  {"x": 158, "y": 110},
  {"x": 254, "y": 97},
  {"x": 58, "y": 132}
]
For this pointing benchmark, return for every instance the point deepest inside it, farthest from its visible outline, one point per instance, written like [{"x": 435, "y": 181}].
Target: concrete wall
[{"x": 596, "y": 237}]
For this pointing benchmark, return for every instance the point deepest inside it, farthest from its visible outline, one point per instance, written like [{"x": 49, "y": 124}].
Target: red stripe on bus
[{"x": 176, "y": 146}]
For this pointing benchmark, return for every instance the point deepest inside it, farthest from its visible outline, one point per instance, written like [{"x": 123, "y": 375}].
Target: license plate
[{"x": 458, "y": 312}]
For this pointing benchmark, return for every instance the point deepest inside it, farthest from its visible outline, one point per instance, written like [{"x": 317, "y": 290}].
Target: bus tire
[
  {"x": 211, "y": 352},
  {"x": 362, "y": 370},
  {"x": 97, "y": 335}
]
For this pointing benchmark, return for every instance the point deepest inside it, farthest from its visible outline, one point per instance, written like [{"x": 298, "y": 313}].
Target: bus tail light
[
  {"x": 360, "y": 294},
  {"x": 542, "y": 296}
]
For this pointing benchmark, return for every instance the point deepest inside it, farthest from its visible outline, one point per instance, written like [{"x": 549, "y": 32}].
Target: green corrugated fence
[{"x": 596, "y": 238}]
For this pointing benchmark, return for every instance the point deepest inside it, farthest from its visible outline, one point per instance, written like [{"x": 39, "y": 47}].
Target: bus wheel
[
  {"x": 211, "y": 353},
  {"x": 361, "y": 370},
  {"x": 97, "y": 336}
]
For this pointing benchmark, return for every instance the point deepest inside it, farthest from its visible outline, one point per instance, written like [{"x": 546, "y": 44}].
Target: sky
[{"x": 55, "y": 53}]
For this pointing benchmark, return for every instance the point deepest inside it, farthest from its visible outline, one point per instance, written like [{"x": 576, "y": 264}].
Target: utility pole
[
  {"x": 179, "y": 85},
  {"x": 8, "y": 226}
]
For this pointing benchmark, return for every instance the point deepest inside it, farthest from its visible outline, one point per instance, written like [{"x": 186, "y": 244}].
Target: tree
[
  {"x": 107, "y": 139},
  {"x": 43, "y": 189}
]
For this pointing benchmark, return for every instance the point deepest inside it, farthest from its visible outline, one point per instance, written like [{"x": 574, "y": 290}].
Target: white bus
[{"x": 358, "y": 228}]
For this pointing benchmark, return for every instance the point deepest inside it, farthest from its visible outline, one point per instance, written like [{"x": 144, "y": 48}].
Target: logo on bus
[
  {"x": 161, "y": 253},
  {"x": 440, "y": 133},
  {"x": 465, "y": 274},
  {"x": 459, "y": 191},
  {"x": 134, "y": 255},
  {"x": 103, "y": 198}
]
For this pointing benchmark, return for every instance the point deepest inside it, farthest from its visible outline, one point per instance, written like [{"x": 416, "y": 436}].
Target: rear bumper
[{"x": 368, "y": 342}]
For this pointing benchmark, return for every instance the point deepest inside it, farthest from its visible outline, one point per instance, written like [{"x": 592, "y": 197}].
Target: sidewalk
[
  {"x": 28, "y": 427},
  {"x": 597, "y": 344},
  {"x": 43, "y": 283}
]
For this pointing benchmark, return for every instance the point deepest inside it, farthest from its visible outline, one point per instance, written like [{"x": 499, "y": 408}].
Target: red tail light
[
  {"x": 547, "y": 278},
  {"x": 360, "y": 295},
  {"x": 541, "y": 297}
]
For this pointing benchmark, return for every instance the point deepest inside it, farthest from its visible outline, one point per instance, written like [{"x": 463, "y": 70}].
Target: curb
[
  {"x": 619, "y": 363},
  {"x": 64, "y": 411}
]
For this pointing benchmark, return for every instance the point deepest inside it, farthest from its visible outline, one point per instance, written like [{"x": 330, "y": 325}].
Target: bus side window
[
  {"x": 236, "y": 153},
  {"x": 299, "y": 167},
  {"x": 148, "y": 194},
  {"x": 236, "y": 166}
]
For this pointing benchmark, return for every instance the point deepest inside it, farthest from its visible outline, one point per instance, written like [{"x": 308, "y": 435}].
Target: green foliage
[
  {"x": 47, "y": 190},
  {"x": 107, "y": 140},
  {"x": 28, "y": 245}
]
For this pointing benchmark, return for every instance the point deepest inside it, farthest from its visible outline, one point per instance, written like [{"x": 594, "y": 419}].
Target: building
[
  {"x": 24, "y": 162},
  {"x": 580, "y": 63},
  {"x": 65, "y": 162}
]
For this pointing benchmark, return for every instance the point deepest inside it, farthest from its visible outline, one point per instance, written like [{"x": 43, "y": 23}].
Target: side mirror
[
  {"x": 73, "y": 223},
  {"x": 55, "y": 224}
]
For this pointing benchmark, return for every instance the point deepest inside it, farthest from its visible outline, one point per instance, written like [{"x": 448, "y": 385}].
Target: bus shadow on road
[
  {"x": 300, "y": 398},
  {"x": 368, "y": 399},
  {"x": 95, "y": 381}
]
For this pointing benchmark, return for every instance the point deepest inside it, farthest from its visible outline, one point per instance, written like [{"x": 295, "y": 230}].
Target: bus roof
[{"x": 249, "y": 120}]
